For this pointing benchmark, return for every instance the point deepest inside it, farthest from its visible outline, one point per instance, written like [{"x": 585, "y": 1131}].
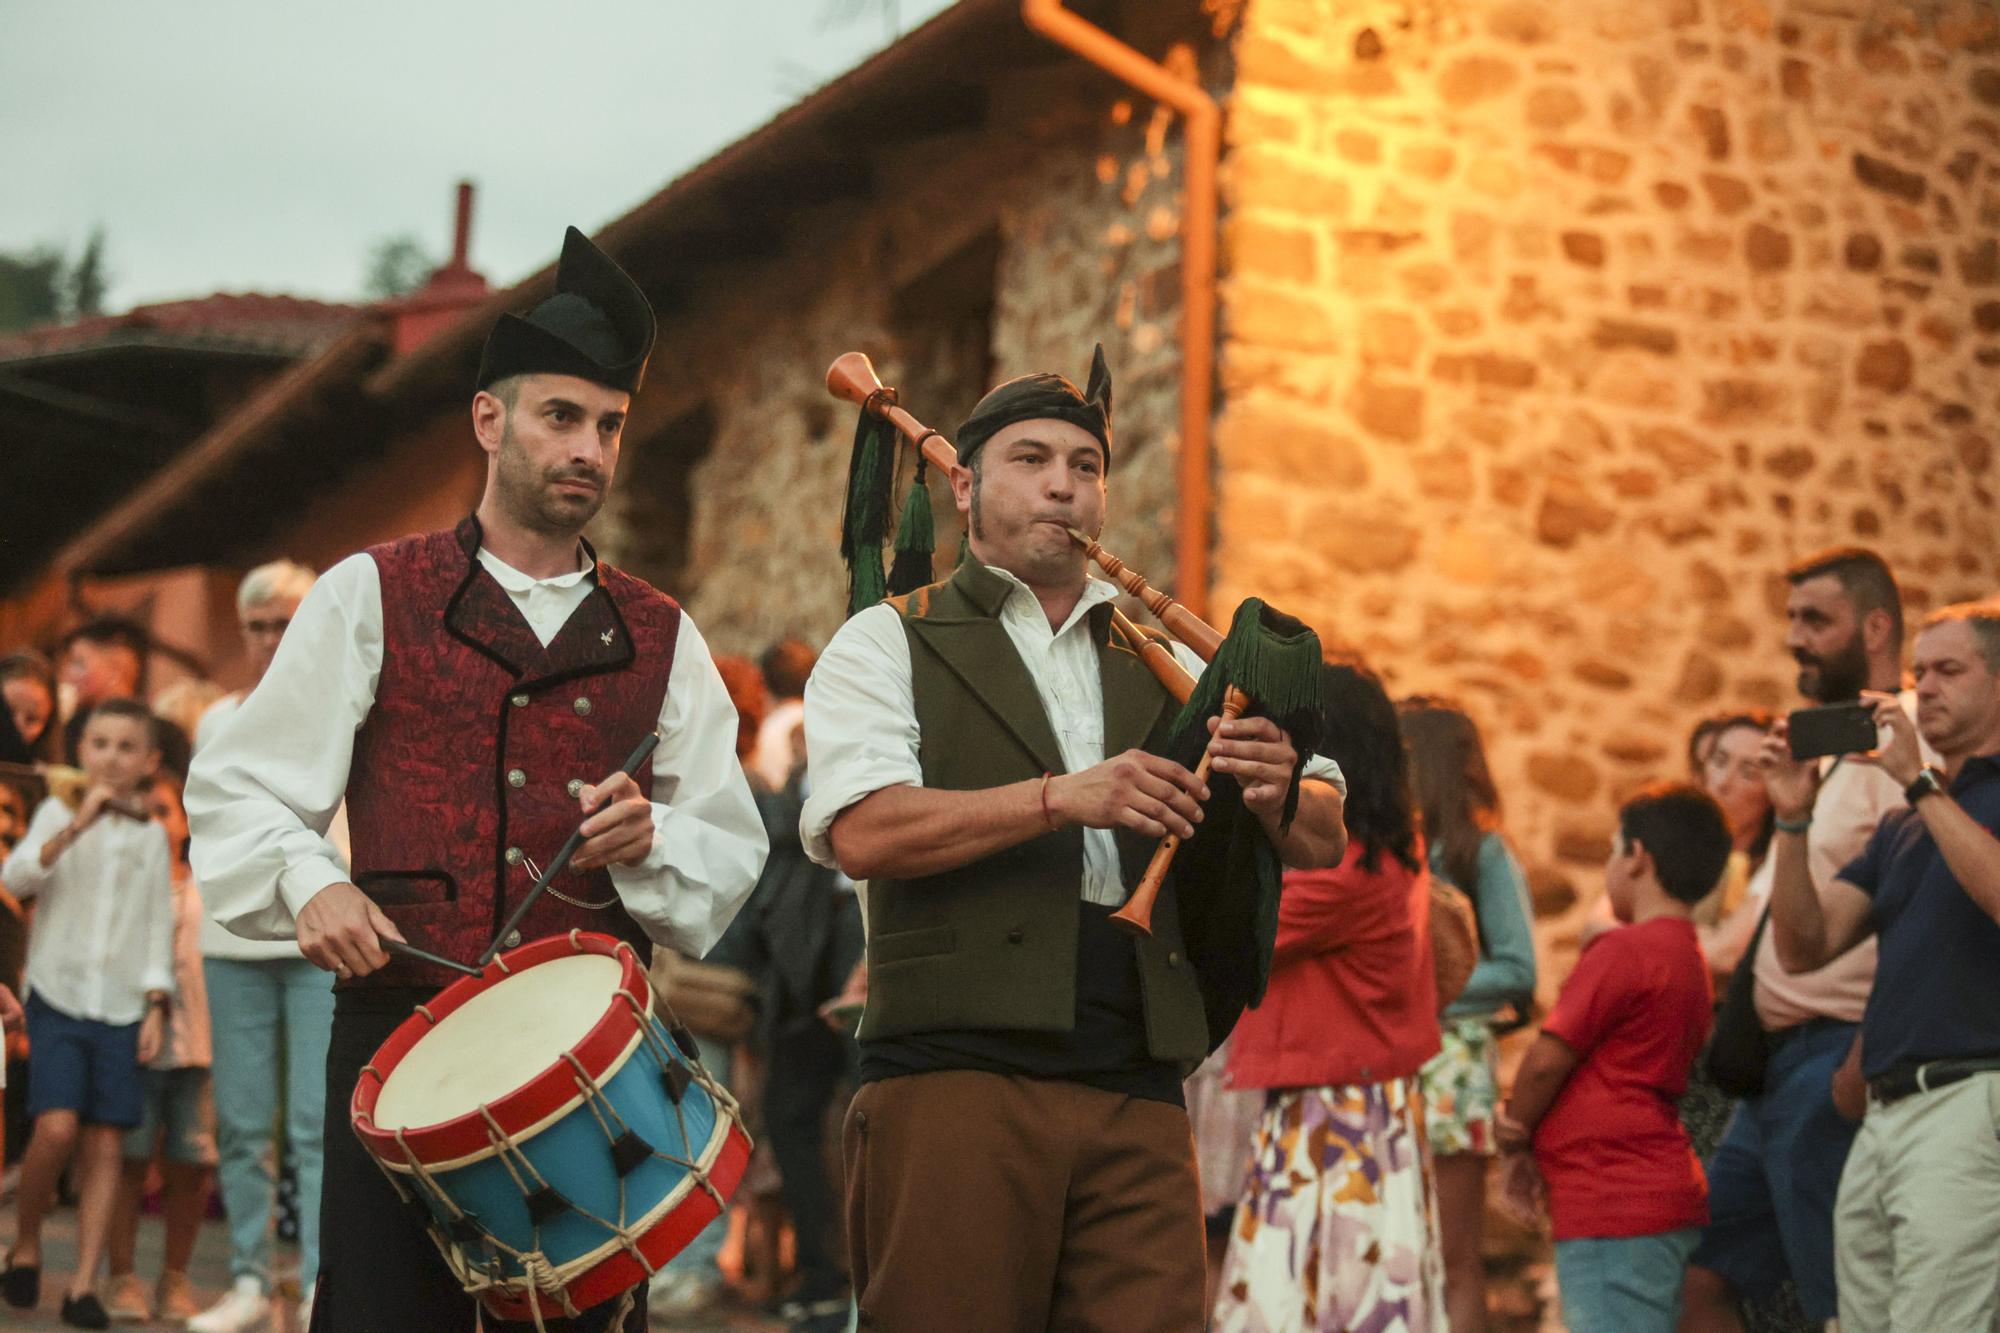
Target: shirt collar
[
  {"x": 1979, "y": 768},
  {"x": 1022, "y": 601},
  {"x": 513, "y": 580}
]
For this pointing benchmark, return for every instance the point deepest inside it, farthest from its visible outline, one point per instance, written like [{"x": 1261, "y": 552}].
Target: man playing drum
[
  {"x": 1018, "y": 1156},
  {"x": 467, "y": 692}
]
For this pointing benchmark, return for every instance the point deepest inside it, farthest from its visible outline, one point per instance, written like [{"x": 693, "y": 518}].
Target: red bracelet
[{"x": 1047, "y": 817}]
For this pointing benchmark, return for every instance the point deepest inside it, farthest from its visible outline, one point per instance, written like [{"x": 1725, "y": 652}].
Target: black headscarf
[{"x": 1039, "y": 397}]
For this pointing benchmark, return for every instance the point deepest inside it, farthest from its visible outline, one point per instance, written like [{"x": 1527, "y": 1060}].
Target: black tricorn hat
[{"x": 598, "y": 326}]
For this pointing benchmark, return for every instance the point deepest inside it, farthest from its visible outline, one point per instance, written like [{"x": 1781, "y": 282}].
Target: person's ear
[
  {"x": 961, "y": 488},
  {"x": 1877, "y": 627},
  {"x": 489, "y": 421}
]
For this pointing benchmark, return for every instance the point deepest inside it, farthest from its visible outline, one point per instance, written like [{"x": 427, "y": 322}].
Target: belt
[{"x": 1904, "y": 1080}]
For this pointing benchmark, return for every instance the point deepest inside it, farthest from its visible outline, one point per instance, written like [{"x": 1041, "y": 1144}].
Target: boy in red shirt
[{"x": 1596, "y": 1093}]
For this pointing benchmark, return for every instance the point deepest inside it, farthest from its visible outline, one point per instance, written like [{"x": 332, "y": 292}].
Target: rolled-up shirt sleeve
[
  {"x": 262, "y": 794},
  {"x": 709, "y": 843},
  {"x": 861, "y": 723}
]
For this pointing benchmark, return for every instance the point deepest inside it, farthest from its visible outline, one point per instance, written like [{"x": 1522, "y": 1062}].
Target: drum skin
[{"x": 553, "y": 1132}]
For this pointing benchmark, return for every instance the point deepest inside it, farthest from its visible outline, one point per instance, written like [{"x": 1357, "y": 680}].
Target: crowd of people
[{"x": 885, "y": 884}]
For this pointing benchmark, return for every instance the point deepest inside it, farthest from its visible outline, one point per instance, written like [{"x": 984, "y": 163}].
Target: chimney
[{"x": 461, "y": 237}]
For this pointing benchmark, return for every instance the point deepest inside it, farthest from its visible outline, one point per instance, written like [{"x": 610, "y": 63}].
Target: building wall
[
  {"x": 1553, "y": 331},
  {"x": 979, "y": 256}
]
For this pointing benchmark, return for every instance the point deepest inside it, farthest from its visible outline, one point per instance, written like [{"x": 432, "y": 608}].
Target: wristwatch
[{"x": 1929, "y": 782}]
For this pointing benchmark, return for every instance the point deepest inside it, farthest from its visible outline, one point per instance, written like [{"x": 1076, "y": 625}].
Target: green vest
[{"x": 992, "y": 945}]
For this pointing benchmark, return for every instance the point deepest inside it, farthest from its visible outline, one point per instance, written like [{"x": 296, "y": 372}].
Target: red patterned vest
[{"x": 468, "y": 765}]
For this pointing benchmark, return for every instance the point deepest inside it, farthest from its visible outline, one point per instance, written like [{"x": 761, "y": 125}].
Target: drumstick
[
  {"x": 561, "y": 863},
  {"x": 415, "y": 954}
]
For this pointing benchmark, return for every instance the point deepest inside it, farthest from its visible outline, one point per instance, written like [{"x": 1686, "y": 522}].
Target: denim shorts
[
  {"x": 179, "y": 1119},
  {"x": 81, "y": 1065},
  {"x": 1626, "y": 1284}
]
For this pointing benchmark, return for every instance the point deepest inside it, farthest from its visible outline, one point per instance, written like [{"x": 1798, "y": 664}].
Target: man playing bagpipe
[{"x": 995, "y": 762}]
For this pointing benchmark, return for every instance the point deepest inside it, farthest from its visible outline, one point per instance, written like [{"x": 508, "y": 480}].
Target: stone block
[
  {"x": 1886, "y": 365},
  {"x": 1277, "y": 317},
  {"x": 1767, "y": 248},
  {"x": 1890, "y": 179},
  {"x": 1614, "y": 334},
  {"x": 1726, "y": 194},
  {"x": 1569, "y": 512},
  {"x": 1700, "y": 680},
  {"x": 1568, "y": 777},
  {"x": 1489, "y": 369},
  {"x": 1584, "y": 247},
  {"x": 1258, "y": 434},
  {"x": 1390, "y": 337},
  {"x": 1863, "y": 252},
  {"x": 1711, "y": 125},
  {"x": 1390, "y": 410},
  {"x": 1260, "y": 247},
  {"x": 1359, "y": 539},
  {"x": 1684, "y": 454},
  {"x": 1476, "y": 78},
  {"x": 1604, "y": 675},
  {"x": 1553, "y": 108}
]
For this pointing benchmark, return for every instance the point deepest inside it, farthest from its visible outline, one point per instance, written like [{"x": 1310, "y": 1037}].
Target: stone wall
[
  {"x": 985, "y": 255},
  {"x": 1554, "y": 330}
]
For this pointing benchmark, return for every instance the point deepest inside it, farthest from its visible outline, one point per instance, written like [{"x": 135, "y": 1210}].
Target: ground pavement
[{"x": 210, "y": 1274}]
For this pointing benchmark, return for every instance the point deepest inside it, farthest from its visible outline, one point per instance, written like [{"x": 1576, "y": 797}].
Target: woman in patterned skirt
[
  {"x": 1337, "y": 1229},
  {"x": 1461, "y": 822}
]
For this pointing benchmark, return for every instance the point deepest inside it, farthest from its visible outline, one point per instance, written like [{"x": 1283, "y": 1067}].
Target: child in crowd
[
  {"x": 178, "y": 1130},
  {"x": 1596, "y": 1093},
  {"x": 100, "y": 979}
]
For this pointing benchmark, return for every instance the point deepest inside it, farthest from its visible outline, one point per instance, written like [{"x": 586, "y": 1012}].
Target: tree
[
  {"x": 396, "y": 266},
  {"x": 30, "y": 288},
  {"x": 86, "y": 279}
]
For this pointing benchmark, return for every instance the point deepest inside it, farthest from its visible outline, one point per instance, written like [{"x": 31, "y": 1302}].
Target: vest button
[
  {"x": 1016, "y": 935},
  {"x": 574, "y": 787},
  {"x": 514, "y": 856},
  {"x": 1173, "y": 960},
  {"x": 582, "y": 707},
  {"x": 519, "y": 701},
  {"x": 516, "y": 778},
  {"x": 513, "y": 940}
]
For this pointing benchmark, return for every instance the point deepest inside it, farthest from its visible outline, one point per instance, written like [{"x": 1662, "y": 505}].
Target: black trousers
[
  {"x": 379, "y": 1271},
  {"x": 808, "y": 1061}
]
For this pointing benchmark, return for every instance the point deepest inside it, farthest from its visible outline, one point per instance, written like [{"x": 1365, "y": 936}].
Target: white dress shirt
[
  {"x": 104, "y": 933},
  {"x": 861, "y": 715},
  {"x": 263, "y": 793}
]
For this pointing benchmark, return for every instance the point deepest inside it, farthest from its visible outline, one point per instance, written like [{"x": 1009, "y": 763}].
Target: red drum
[{"x": 565, "y": 1141}]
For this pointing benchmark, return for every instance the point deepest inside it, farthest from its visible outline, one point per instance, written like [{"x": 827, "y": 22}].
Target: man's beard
[
  {"x": 530, "y": 498},
  {"x": 1836, "y": 677}
]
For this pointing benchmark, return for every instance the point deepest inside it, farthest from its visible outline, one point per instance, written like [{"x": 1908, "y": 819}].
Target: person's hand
[
  {"x": 1524, "y": 1196},
  {"x": 342, "y": 930},
  {"x": 10, "y": 1010},
  {"x": 1259, "y": 755},
  {"x": 1848, "y": 1088},
  {"x": 1792, "y": 784},
  {"x": 620, "y": 831},
  {"x": 94, "y": 803},
  {"x": 1899, "y": 756},
  {"x": 152, "y": 1034},
  {"x": 1135, "y": 790}
]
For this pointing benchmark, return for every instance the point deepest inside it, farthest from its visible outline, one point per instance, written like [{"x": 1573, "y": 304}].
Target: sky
[{"x": 269, "y": 145}]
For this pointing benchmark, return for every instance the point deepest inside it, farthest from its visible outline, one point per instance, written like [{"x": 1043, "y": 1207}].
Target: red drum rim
[
  {"x": 619, "y": 1272},
  {"x": 537, "y": 1099}
]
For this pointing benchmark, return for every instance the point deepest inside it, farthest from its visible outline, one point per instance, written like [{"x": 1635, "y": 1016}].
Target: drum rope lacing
[{"x": 539, "y": 1277}]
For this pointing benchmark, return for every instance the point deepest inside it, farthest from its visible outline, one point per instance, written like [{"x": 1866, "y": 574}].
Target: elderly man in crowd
[
  {"x": 1918, "y": 1232},
  {"x": 271, "y": 1012}
]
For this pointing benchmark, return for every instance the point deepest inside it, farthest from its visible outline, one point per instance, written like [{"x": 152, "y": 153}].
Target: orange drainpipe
[{"x": 1203, "y": 120}]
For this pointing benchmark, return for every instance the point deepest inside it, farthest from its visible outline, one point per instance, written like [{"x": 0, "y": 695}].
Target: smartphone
[{"x": 1832, "y": 729}]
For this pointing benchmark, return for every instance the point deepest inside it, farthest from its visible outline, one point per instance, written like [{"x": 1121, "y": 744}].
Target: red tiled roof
[{"x": 283, "y": 323}]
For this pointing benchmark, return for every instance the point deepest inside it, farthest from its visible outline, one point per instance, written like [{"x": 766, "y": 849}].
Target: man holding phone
[
  {"x": 1774, "y": 1179},
  {"x": 1919, "y": 1237}
]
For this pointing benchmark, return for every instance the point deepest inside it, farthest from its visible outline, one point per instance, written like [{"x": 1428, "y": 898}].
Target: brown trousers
[{"x": 983, "y": 1203}]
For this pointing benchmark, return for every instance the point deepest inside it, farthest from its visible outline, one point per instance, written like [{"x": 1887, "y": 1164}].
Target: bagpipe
[{"x": 1267, "y": 664}]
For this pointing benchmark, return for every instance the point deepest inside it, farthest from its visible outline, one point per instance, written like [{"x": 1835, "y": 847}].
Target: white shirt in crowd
[
  {"x": 264, "y": 791},
  {"x": 104, "y": 933},
  {"x": 861, "y": 716},
  {"x": 215, "y": 941}
]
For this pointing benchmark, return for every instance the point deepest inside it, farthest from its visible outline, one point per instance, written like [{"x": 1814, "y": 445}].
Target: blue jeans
[
  {"x": 1626, "y": 1284},
  {"x": 271, "y": 1019},
  {"x": 702, "y": 1253},
  {"x": 1774, "y": 1178}
]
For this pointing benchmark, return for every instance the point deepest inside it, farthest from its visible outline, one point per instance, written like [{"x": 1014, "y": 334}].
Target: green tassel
[
  {"x": 1274, "y": 659},
  {"x": 864, "y": 520},
  {"x": 916, "y": 540}
]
